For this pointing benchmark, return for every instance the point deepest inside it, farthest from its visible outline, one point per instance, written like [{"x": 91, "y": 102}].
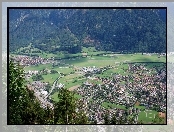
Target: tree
[
  {"x": 37, "y": 78},
  {"x": 24, "y": 107},
  {"x": 80, "y": 118},
  {"x": 53, "y": 71},
  {"x": 16, "y": 94},
  {"x": 113, "y": 120},
  {"x": 106, "y": 118},
  {"x": 65, "y": 109},
  {"x": 138, "y": 31},
  {"x": 48, "y": 87}
]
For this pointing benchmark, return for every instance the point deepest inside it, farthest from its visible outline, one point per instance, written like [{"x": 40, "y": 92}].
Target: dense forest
[{"x": 67, "y": 30}]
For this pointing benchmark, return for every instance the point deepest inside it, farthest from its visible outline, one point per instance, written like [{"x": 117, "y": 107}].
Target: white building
[{"x": 44, "y": 93}]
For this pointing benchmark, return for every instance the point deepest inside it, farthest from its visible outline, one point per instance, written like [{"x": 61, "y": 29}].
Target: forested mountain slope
[{"x": 54, "y": 30}]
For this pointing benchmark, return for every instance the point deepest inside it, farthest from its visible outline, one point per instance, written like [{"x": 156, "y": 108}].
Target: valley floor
[{"x": 97, "y": 71}]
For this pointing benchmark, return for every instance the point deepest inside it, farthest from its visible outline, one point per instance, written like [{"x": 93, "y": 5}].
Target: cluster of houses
[
  {"x": 87, "y": 69},
  {"x": 39, "y": 85},
  {"x": 152, "y": 92},
  {"x": 30, "y": 73},
  {"x": 40, "y": 93},
  {"x": 140, "y": 86},
  {"x": 161, "y": 54},
  {"x": 90, "y": 69},
  {"x": 27, "y": 61},
  {"x": 35, "y": 72},
  {"x": 100, "y": 94},
  {"x": 96, "y": 113},
  {"x": 152, "y": 85}
]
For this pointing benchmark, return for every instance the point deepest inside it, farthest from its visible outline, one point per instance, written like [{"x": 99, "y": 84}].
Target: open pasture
[
  {"x": 101, "y": 61},
  {"x": 118, "y": 60},
  {"x": 110, "y": 105},
  {"x": 39, "y": 67},
  {"x": 50, "y": 77},
  {"x": 147, "y": 116},
  {"x": 71, "y": 81},
  {"x": 65, "y": 70}
]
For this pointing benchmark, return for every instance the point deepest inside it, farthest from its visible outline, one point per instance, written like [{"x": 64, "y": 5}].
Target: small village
[
  {"x": 114, "y": 92},
  {"x": 125, "y": 92},
  {"x": 89, "y": 66},
  {"x": 28, "y": 61}
]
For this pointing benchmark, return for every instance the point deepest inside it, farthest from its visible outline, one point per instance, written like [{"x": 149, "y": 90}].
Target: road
[
  {"x": 53, "y": 86},
  {"x": 42, "y": 99}
]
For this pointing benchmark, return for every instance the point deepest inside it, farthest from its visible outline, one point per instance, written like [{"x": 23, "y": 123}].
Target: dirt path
[
  {"x": 73, "y": 88},
  {"x": 137, "y": 103}
]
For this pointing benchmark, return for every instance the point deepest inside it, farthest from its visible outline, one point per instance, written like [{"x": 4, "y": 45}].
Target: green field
[
  {"x": 70, "y": 81},
  {"x": 142, "y": 115},
  {"x": 94, "y": 81},
  {"x": 50, "y": 77},
  {"x": 139, "y": 107},
  {"x": 54, "y": 97},
  {"x": 77, "y": 96},
  {"x": 110, "y": 105},
  {"x": 117, "y": 60},
  {"x": 119, "y": 69},
  {"x": 147, "y": 116},
  {"x": 39, "y": 67},
  {"x": 101, "y": 61}
]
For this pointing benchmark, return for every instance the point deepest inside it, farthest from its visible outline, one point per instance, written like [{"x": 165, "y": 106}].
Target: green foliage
[
  {"x": 16, "y": 94},
  {"x": 53, "y": 71},
  {"x": 37, "y": 78},
  {"x": 106, "y": 118},
  {"x": 24, "y": 108},
  {"x": 138, "y": 30},
  {"x": 65, "y": 109},
  {"x": 48, "y": 87},
  {"x": 80, "y": 118}
]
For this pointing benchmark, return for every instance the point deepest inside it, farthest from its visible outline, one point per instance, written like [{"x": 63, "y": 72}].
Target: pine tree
[
  {"x": 16, "y": 94},
  {"x": 65, "y": 109},
  {"x": 24, "y": 107},
  {"x": 106, "y": 118}
]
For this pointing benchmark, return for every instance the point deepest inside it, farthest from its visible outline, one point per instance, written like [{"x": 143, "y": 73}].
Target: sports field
[{"x": 147, "y": 116}]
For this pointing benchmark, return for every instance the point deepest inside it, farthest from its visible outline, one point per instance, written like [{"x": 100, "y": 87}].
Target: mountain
[{"x": 67, "y": 30}]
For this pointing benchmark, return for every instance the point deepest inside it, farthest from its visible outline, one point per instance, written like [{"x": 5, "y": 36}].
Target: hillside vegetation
[{"x": 69, "y": 30}]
